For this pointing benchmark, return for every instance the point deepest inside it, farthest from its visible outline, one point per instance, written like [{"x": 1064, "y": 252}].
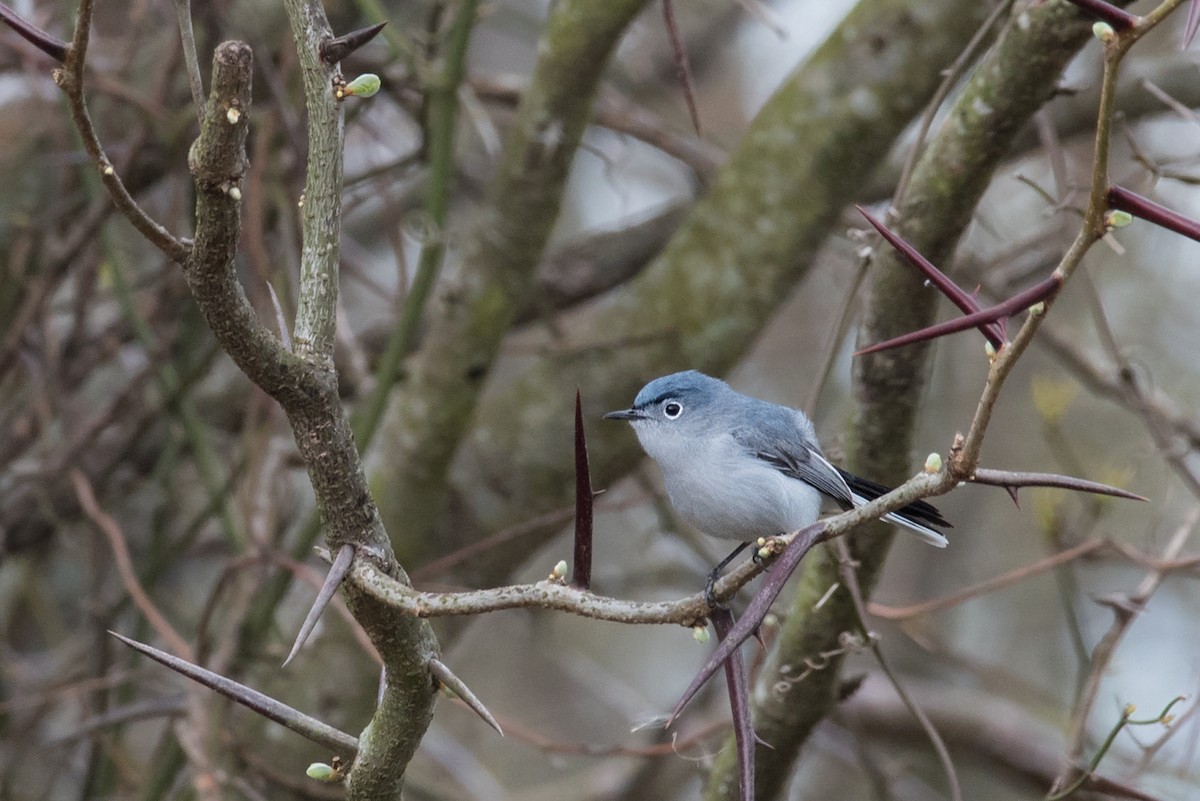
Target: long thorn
[
  {"x": 1012, "y": 481},
  {"x": 1189, "y": 28},
  {"x": 341, "y": 566},
  {"x": 306, "y": 726},
  {"x": 756, "y": 610},
  {"x": 447, "y": 677},
  {"x": 582, "y": 569},
  {"x": 1043, "y": 290},
  {"x": 738, "y": 687},
  {"x": 957, "y": 295}
]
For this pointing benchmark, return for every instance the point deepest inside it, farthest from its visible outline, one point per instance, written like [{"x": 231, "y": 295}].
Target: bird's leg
[{"x": 709, "y": 598}]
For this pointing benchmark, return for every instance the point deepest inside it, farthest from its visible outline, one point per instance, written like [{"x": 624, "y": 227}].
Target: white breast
[{"x": 719, "y": 488}]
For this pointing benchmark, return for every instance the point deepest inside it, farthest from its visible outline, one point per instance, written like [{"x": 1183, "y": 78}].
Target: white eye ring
[{"x": 672, "y": 410}]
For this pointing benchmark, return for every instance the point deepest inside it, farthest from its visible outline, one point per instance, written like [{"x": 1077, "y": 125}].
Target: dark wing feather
[{"x": 798, "y": 462}]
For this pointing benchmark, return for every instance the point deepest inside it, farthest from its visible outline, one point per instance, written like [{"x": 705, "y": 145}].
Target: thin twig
[
  {"x": 183, "y": 9},
  {"x": 443, "y": 116},
  {"x": 850, "y": 580},
  {"x": 991, "y": 585},
  {"x": 70, "y": 80},
  {"x": 124, "y": 565},
  {"x": 683, "y": 69},
  {"x": 837, "y": 335},
  {"x": 1123, "y": 618}
]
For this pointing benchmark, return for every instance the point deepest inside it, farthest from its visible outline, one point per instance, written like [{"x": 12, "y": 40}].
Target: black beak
[{"x": 625, "y": 414}]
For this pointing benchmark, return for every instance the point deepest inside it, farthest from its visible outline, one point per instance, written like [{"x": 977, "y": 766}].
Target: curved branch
[
  {"x": 218, "y": 163},
  {"x": 70, "y": 80}
]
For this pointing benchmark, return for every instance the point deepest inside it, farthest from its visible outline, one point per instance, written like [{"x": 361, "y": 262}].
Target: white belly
[{"x": 725, "y": 492}]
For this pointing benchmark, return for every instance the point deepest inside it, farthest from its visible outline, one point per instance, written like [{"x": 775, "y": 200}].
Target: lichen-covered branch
[
  {"x": 317, "y": 305},
  {"x": 305, "y": 385}
]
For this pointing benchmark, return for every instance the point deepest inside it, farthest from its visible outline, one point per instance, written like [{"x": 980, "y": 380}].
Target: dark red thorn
[
  {"x": 582, "y": 572},
  {"x": 1043, "y": 290},
  {"x": 756, "y": 610},
  {"x": 738, "y": 686},
  {"x": 334, "y": 50},
  {"x": 1123, "y": 200},
  {"x": 958, "y": 296},
  {"x": 1120, "y": 20},
  {"x": 43, "y": 41}
]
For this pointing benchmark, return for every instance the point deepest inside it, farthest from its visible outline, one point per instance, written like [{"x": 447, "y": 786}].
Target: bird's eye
[{"x": 672, "y": 410}]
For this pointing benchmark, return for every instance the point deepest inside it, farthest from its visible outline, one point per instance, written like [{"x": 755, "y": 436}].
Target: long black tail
[{"x": 917, "y": 511}]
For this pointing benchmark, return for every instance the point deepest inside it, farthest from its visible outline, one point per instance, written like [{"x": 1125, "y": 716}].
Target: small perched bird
[{"x": 742, "y": 468}]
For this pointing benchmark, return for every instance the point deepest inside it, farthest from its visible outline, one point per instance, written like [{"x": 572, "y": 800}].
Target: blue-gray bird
[{"x": 742, "y": 468}]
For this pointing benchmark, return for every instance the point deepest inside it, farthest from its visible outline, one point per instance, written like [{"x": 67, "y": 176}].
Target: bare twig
[
  {"x": 443, "y": 116},
  {"x": 850, "y": 581},
  {"x": 116, "y": 541},
  {"x": 70, "y": 80},
  {"x": 837, "y": 334},
  {"x": 183, "y": 9},
  {"x": 952, "y": 76},
  {"x": 1124, "y": 615},
  {"x": 991, "y": 585},
  {"x": 683, "y": 69},
  {"x": 619, "y": 113},
  {"x": 993, "y": 732}
]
